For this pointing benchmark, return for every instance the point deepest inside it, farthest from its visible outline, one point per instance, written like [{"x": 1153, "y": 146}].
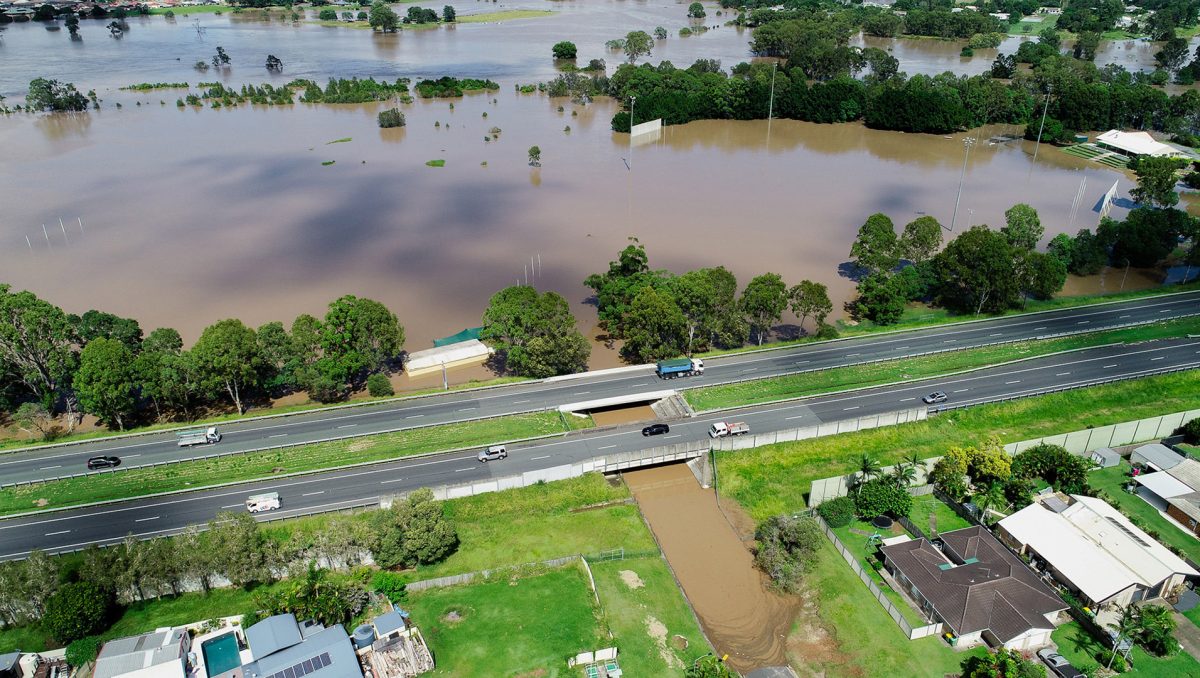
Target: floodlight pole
[
  {"x": 1045, "y": 107},
  {"x": 967, "y": 143}
]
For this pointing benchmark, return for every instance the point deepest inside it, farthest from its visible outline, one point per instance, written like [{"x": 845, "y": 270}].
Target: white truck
[
  {"x": 721, "y": 429},
  {"x": 199, "y": 436},
  {"x": 267, "y": 501}
]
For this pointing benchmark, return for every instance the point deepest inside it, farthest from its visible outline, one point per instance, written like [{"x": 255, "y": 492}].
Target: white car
[{"x": 493, "y": 452}]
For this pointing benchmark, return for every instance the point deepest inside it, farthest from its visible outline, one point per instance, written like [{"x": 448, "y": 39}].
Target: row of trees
[
  {"x": 660, "y": 315},
  {"x": 79, "y": 597},
  {"x": 101, "y": 364}
]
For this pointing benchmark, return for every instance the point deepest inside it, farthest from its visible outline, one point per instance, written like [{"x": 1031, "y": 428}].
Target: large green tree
[
  {"x": 638, "y": 44},
  {"x": 228, "y": 358},
  {"x": 359, "y": 336},
  {"x": 535, "y": 332},
  {"x": 76, "y": 610},
  {"x": 1156, "y": 178},
  {"x": 382, "y": 17},
  {"x": 921, "y": 239},
  {"x": 810, "y": 299},
  {"x": 977, "y": 273},
  {"x": 37, "y": 347},
  {"x": 876, "y": 249},
  {"x": 616, "y": 288},
  {"x": 763, "y": 302},
  {"x": 1023, "y": 228},
  {"x": 240, "y": 551},
  {"x": 707, "y": 299},
  {"x": 414, "y": 531},
  {"x": 106, "y": 381},
  {"x": 655, "y": 328},
  {"x": 881, "y": 299},
  {"x": 94, "y": 324}
]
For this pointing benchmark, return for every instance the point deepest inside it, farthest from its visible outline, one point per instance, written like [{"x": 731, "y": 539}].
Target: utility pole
[
  {"x": 1045, "y": 107},
  {"x": 967, "y": 143},
  {"x": 771, "y": 105}
]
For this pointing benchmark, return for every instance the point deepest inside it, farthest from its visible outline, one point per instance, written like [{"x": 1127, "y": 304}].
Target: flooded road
[{"x": 739, "y": 613}]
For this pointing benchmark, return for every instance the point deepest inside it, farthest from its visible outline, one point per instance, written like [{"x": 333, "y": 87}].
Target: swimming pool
[{"x": 220, "y": 654}]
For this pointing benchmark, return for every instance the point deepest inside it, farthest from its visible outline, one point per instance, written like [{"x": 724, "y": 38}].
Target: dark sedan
[
  {"x": 96, "y": 463},
  {"x": 656, "y": 429}
]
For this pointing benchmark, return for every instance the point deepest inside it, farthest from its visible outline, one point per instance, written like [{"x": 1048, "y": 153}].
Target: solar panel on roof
[{"x": 308, "y": 665}]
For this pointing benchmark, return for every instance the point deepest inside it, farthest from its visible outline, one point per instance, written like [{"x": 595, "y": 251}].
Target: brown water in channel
[{"x": 739, "y": 613}]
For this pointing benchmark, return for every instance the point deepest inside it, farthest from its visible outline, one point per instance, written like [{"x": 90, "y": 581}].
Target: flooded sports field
[{"x": 180, "y": 217}]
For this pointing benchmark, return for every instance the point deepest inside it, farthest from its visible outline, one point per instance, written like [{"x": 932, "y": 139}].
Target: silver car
[
  {"x": 935, "y": 397},
  {"x": 1058, "y": 664},
  {"x": 493, "y": 452}
]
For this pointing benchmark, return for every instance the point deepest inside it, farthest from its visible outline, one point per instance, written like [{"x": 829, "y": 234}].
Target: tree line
[
  {"x": 101, "y": 364},
  {"x": 74, "y": 599},
  {"x": 661, "y": 315}
]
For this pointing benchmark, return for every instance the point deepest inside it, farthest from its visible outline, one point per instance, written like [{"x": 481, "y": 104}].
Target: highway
[
  {"x": 148, "y": 517},
  {"x": 47, "y": 463}
]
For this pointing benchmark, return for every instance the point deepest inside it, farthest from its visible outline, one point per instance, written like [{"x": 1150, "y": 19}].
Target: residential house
[
  {"x": 10, "y": 665},
  {"x": 1094, "y": 550},
  {"x": 1175, "y": 491},
  {"x": 161, "y": 654},
  {"x": 976, "y": 587},
  {"x": 282, "y": 648}
]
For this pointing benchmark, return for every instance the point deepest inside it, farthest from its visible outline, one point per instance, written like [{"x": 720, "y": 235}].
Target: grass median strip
[
  {"x": 911, "y": 369},
  {"x": 257, "y": 465},
  {"x": 776, "y": 478}
]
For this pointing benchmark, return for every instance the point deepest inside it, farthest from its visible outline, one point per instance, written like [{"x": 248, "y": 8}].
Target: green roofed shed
[{"x": 466, "y": 335}]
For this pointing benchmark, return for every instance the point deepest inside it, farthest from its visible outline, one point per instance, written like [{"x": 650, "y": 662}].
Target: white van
[{"x": 267, "y": 501}]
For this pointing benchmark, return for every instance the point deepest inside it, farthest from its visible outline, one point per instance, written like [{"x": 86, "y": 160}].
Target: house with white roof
[
  {"x": 1175, "y": 491},
  {"x": 1136, "y": 144},
  {"x": 1092, "y": 549}
]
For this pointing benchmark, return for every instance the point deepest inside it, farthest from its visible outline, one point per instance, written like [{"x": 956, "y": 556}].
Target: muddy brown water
[
  {"x": 623, "y": 415},
  {"x": 740, "y": 614}
]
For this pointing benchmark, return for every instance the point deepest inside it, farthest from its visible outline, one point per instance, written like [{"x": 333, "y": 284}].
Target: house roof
[
  {"x": 1189, "y": 504},
  {"x": 1138, "y": 143},
  {"x": 137, "y": 654},
  {"x": 1094, "y": 547},
  {"x": 272, "y": 635},
  {"x": 325, "y": 654},
  {"x": 8, "y": 662},
  {"x": 1187, "y": 472},
  {"x": 1163, "y": 484},
  {"x": 387, "y": 623},
  {"x": 976, "y": 584},
  {"x": 1158, "y": 455}
]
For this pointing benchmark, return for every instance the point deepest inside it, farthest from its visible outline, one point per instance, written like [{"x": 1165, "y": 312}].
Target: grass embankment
[
  {"x": 198, "y": 9},
  {"x": 1080, "y": 648},
  {"x": 857, "y": 544},
  {"x": 505, "y": 15},
  {"x": 912, "y": 369},
  {"x": 862, "y": 639},
  {"x": 8, "y": 443},
  {"x": 254, "y": 465},
  {"x": 1112, "y": 480},
  {"x": 776, "y": 478}
]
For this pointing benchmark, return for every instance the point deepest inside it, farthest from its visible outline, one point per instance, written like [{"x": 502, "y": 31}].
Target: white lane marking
[
  {"x": 606, "y": 447},
  {"x": 904, "y": 400},
  {"x": 545, "y": 456},
  {"x": 949, "y": 341},
  {"x": 518, "y": 402},
  {"x": 460, "y": 470},
  {"x": 142, "y": 520},
  {"x": 1062, "y": 374},
  {"x": 1015, "y": 381},
  {"x": 582, "y": 392},
  {"x": 466, "y": 409},
  {"x": 278, "y": 435},
  {"x": 850, "y": 408},
  {"x": 1122, "y": 316},
  {"x": 47, "y": 468},
  {"x": 803, "y": 362},
  {"x": 798, "y": 416},
  {"x": 853, "y": 355},
  {"x": 312, "y": 494},
  {"x": 961, "y": 390},
  {"x": 1038, "y": 328},
  {"x": 131, "y": 456},
  {"x": 1158, "y": 358},
  {"x": 51, "y": 534},
  {"x": 901, "y": 348},
  {"x": 995, "y": 334},
  {"x": 1083, "y": 322},
  {"x": 393, "y": 480},
  {"x": 233, "y": 506},
  {"x": 411, "y": 416},
  {"x": 348, "y": 425},
  {"x": 1165, "y": 310},
  {"x": 1105, "y": 367},
  {"x": 752, "y": 369}
]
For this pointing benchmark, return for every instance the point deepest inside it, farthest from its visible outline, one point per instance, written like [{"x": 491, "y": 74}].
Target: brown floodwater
[{"x": 741, "y": 615}]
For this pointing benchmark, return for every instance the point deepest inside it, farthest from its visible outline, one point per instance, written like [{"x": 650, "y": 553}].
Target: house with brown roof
[
  {"x": 976, "y": 587},
  {"x": 1176, "y": 492}
]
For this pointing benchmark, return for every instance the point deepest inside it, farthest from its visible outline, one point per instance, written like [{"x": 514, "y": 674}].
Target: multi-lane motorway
[
  {"x": 73, "y": 529},
  {"x": 23, "y": 466}
]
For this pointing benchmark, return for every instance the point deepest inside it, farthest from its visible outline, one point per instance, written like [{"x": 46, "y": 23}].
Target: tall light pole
[
  {"x": 632, "y": 101},
  {"x": 771, "y": 105},
  {"x": 967, "y": 144},
  {"x": 1045, "y": 107}
]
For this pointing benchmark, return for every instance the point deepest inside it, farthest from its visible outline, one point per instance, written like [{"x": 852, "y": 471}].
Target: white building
[
  {"x": 1136, "y": 144},
  {"x": 162, "y": 654},
  {"x": 1093, "y": 549}
]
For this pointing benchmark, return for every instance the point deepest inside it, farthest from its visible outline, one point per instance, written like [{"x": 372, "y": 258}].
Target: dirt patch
[
  {"x": 453, "y": 616},
  {"x": 813, "y": 647},
  {"x": 41, "y": 502},
  {"x": 740, "y": 614},
  {"x": 536, "y": 673},
  {"x": 360, "y": 445},
  {"x": 631, "y": 579},
  {"x": 679, "y": 642},
  {"x": 658, "y": 632}
]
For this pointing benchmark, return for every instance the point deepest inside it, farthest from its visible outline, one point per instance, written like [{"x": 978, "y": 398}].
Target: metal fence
[
  {"x": 818, "y": 430},
  {"x": 1113, "y": 435},
  {"x": 913, "y": 632},
  {"x": 468, "y": 577}
]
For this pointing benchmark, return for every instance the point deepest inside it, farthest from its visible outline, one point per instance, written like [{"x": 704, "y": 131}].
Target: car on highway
[
  {"x": 1058, "y": 664},
  {"x": 493, "y": 452},
  {"x": 935, "y": 397},
  {"x": 96, "y": 463},
  {"x": 656, "y": 429}
]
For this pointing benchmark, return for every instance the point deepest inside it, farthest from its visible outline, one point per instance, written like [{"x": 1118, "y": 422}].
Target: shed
[
  {"x": 1157, "y": 456},
  {"x": 1106, "y": 457}
]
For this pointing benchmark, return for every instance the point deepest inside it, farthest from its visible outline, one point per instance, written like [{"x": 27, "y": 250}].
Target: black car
[
  {"x": 656, "y": 429},
  {"x": 103, "y": 462}
]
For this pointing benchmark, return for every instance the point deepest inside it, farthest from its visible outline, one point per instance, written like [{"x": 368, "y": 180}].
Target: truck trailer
[
  {"x": 679, "y": 367},
  {"x": 200, "y": 436}
]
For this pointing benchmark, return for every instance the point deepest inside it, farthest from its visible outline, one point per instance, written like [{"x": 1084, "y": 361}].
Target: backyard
[
  {"x": 1112, "y": 481},
  {"x": 1080, "y": 648}
]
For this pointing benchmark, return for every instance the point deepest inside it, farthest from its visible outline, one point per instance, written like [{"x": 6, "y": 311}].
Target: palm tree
[
  {"x": 904, "y": 474},
  {"x": 991, "y": 499},
  {"x": 1156, "y": 628},
  {"x": 1127, "y": 625},
  {"x": 914, "y": 460},
  {"x": 867, "y": 468}
]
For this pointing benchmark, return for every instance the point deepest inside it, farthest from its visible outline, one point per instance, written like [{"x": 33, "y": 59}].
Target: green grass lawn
[
  {"x": 944, "y": 518},
  {"x": 505, "y": 15},
  {"x": 911, "y": 369},
  {"x": 1080, "y": 648},
  {"x": 198, "y": 9},
  {"x": 629, "y": 611},
  {"x": 522, "y": 626},
  {"x": 857, "y": 544},
  {"x": 138, "y": 482},
  {"x": 866, "y": 642},
  {"x": 776, "y": 478},
  {"x": 1112, "y": 481}
]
